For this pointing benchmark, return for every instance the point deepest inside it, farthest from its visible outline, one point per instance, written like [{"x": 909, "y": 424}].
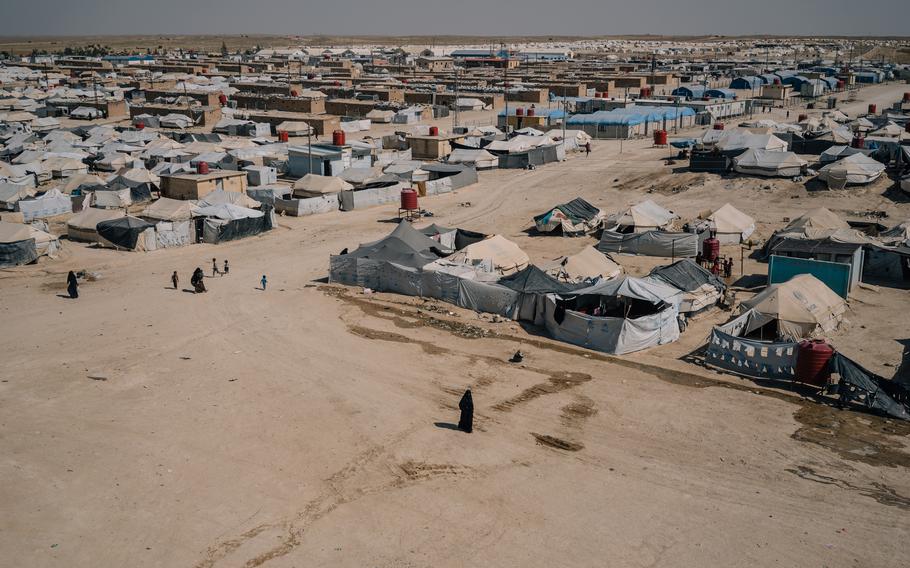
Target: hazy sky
[{"x": 459, "y": 17}]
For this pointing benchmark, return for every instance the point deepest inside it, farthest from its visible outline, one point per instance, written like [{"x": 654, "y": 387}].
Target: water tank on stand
[
  {"x": 812, "y": 362},
  {"x": 531, "y": 111},
  {"x": 202, "y": 168},
  {"x": 859, "y": 141},
  {"x": 282, "y": 135},
  {"x": 222, "y": 99},
  {"x": 872, "y": 108},
  {"x": 409, "y": 200},
  {"x": 520, "y": 111},
  {"x": 645, "y": 92},
  {"x": 434, "y": 131},
  {"x": 294, "y": 93},
  {"x": 660, "y": 137},
  {"x": 718, "y": 126},
  {"x": 710, "y": 249},
  {"x": 338, "y": 138}
]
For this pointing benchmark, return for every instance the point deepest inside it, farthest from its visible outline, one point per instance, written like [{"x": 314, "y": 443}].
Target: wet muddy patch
[
  {"x": 577, "y": 412},
  {"x": 557, "y": 443},
  {"x": 878, "y": 491},
  {"x": 557, "y": 382}
]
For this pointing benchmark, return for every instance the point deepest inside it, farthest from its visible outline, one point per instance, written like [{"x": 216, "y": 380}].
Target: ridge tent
[
  {"x": 700, "y": 289},
  {"x": 167, "y": 209},
  {"x": 17, "y": 246},
  {"x": 835, "y": 153},
  {"x": 650, "y": 243},
  {"x": 532, "y": 285},
  {"x": 314, "y": 185},
  {"x": 644, "y": 216},
  {"x": 12, "y": 193},
  {"x": 770, "y": 163},
  {"x": 50, "y": 203},
  {"x": 575, "y": 218},
  {"x": 731, "y": 225},
  {"x": 504, "y": 255},
  {"x": 83, "y": 226},
  {"x": 585, "y": 266},
  {"x": 799, "y": 308},
  {"x": 480, "y": 159}
]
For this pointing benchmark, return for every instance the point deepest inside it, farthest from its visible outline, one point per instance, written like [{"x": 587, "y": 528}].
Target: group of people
[{"x": 198, "y": 278}]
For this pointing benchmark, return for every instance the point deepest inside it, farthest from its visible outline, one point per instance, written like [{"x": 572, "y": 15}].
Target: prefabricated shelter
[
  {"x": 83, "y": 226},
  {"x": 837, "y": 264},
  {"x": 197, "y": 186},
  {"x": 799, "y": 308},
  {"x": 617, "y": 316},
  {"x": 770, "y": 163},
  {"x": 650, "y": 243},
  {"x": 856, "y": 169},
  {"x": 730, "y": 225},
  {"x": 641, "y": 217},
  {"x": 127, "y": 233},
  {"x": 586, "y": 266},
  {"x": 575, "y": 218},
  {"x": 504, "y": 256}
]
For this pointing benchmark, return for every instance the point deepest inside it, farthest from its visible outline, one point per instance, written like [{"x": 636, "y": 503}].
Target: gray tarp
[
  {"x": 752, "y": 358},
  {"x": 17, "y": 253},
  {"x": 862, "y": 387},
  {"x": 649, "y": 243}
]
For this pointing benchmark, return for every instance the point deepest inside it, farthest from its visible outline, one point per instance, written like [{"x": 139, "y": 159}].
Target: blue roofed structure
[
  {"x": 720, "y": 94},
  {"x": 690, "y": 91},
  {"x": 748, "y": 82}
]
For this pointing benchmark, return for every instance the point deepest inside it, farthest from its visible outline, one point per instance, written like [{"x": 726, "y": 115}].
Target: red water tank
[
  {"x": 338, "y": 138},
  {"x": 311, "y": 76},
  {"x": 907, "y": 97},
  {"x": 222, "y": 99},
  {"x": 434, "y": 131},
  {"x": 872, "y": 108},
  {"x": 859, "y": 141},
  {"x": 294, "y": 93},
  {"x": 660, "y": 137},
  {"x": 710, "y": 249},
  {"x": 840, "y": 84},
  {"x": 907, "y": 126},
  {"x": 718, "y": 126},
  {"x": 645, "y": 92},
  {"x": 520, "y": 111},
  {"x": 802, "y": 117},
  {"x": 812, "y": 362},
  {"x": 282, "y": 135},
  {"x": 202, "y": 168},
  {"x": 597, "y": 95},
  {"x": 409, "y": 199},
  {"x": 140, "y": 126},
  {"x": 777, "y": 81},
  {"x": 531, "y": 111},
  {"x": 337, "y": 83}
]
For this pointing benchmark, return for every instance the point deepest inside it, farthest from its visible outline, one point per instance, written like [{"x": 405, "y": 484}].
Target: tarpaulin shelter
[
  {"x": 11, "y": 193},
  {"x": 731, "y": 225},
  {"x": 575, "y": 218},
  {"x": 314, "y": 185},
  {"x": 755, "y": 161},
  {"x": 738, "y": 142},
  {"x": 799, "y": 308},
  {"x": 835, "y": 153},
  {"x": 650, "y": 243},
  {"x": 17, "y": 246},
  {"x": 585, "y": 266},
  {"x": 167, "y": 209},
  {"x": 616, "y": 316},
  {"x": 857, "y": 169},
  {"x": 480, "y": 159},
  {"x": 127, "y": 233},
  {"x": 228, "y": 222},
  {"x": 50, "y": 203},
  {"x": 700, "y": 288},
  {"x": 532, "y": 285}
]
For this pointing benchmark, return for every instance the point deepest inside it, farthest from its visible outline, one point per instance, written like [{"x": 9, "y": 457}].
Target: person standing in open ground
[
  {"x": 263, "y": 282},
  {"x": 175, "y": 280}
]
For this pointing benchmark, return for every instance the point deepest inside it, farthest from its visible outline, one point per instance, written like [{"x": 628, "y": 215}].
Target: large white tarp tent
[
  {"x": 644, "y": 216},
  {"x": 585, "y": 266},
  {"x": 51, "y": 202},
  {"x": 640, "y": 313},
  {"x": 314, "y": 185},
  {"x": 755, "y": 161},
  {"x": 857, "y": 169},
  {"x": 506, "y": 257}
]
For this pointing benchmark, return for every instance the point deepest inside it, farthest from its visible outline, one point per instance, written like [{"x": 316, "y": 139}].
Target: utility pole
[
  {"x": 505, "y": 84},
  {"x": 455, "y": 114}
]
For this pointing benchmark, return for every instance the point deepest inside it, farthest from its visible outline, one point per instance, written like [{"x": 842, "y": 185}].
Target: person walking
[
  {"x": 175, "y": 280},
  {"x": 214, "y": 267},
  {"x": 263, "y": 282},
  {"x": 587, "y": 149},
  {"x": 466, "y": 406},
  {"x": 226, "y": 267},
  {"x": 72, "y": 285}
]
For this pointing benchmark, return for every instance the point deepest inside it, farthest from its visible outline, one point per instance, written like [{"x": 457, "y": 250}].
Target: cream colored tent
[
  {"x": 166, "y": 209},
  {"x": 731, "y": 225},
  {"x": 587, "y": 265},
  {"x": 313, "y": 185},
  {"x": 504, "y": 256},
  {"x": 802, "y": 306},
  {"x": 83, "y": 225},
  {"x": 769, "y": 163},
  {"x": 856, "y": 169},
  {"x": 644, "y": 216}
]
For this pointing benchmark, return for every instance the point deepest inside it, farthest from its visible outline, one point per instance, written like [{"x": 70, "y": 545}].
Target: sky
[{"x": 454, "y": 17}]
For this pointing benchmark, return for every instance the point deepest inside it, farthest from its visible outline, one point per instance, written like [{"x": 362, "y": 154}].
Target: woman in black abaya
[{"x": 466, "y": 405}]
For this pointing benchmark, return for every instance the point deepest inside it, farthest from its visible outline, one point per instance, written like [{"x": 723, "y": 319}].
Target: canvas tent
[
  {"x": 17, "y": 246},
  {"x": 856, "y": 169},
  {"x": 731, "y": 225},
  {"x": 83, "y": 225},
  {"x": 127, "y": 233},
  {"x": 769, "y": 163},
  {"x": 167, "y": 209},
  {"x": 314, "y": 185},
  {"x": 480, "y": 159},
  {"x": 644, "y": 216},
  {"x": 11, "y": 193},
  {"x": 835, "y": 153},
  {"x": 700, "y": 289},
  {"x": 585, "y": 266},
  {"x": 575, "y": 218},
  {"x": 504, "y": 256},
  {"x": 650, "y": 243},
  {"x": 616, "y": 316},
  {"x": 532, "y": 285},
  {"x": 799, "y": 308}
]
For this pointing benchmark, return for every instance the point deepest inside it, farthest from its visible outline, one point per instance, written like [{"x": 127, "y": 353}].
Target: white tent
[
  {"x": 83, "y": 225},
  {"x": 731, "y": 225},
  {"x": 856, "y": 169},
  {"x": 744, "y": 140},
  {"x": 504, "y": 255},
  {"x": 480, "y": 159},
  {"x": 314, "y": 185},
  {"x": 802, "y": 306},
  {"x": 585, "y": 266},
  {"x": 167, "y": 209},
  {"x": 755, "y": 161},
  {"x": 52, "y": 202},
  {"x": 644, "y": 216}
]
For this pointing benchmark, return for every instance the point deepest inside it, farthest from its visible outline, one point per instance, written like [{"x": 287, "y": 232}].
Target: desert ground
[{"x": 312, "y": 425}]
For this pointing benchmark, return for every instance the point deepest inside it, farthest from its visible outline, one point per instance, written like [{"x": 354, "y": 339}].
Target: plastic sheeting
[
  {"x": 53, "y": 202},
  {"x": 124, "y": 232},
  {"x": 862, "y": 387},
  {"x": 577, "y": 217},
  {"x": 16, "y": 253},
  {"x": 752, "y": 358},
  {"x": 218, "y": 230},
  {"x": 309, "y": 206},
  {"x": 650, "y": 243}
]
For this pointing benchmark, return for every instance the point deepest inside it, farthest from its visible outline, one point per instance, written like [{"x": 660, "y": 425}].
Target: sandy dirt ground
[{"x": 312, "y": 425}]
